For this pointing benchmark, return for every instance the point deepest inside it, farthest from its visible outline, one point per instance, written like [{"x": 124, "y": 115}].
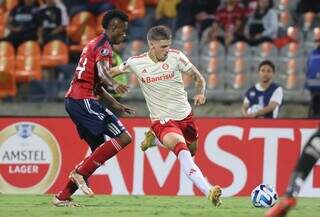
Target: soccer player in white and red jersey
[
  {"x": 98, "y": 126},
  {"x": 159, "y": 72}
]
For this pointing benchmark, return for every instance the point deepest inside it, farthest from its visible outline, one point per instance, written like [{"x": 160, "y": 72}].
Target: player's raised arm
[
  {"x": 114, "y": 103},
  {"x": 200, "y": 83},
  {"x": 105, "y": 76}
]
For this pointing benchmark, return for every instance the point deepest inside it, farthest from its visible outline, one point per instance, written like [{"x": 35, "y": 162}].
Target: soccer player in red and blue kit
[{"x": 99, "y": 127}]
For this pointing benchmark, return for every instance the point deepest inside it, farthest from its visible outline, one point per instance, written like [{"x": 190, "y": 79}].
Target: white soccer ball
[
  {"x": 264, "y": 196},
  {"x": 254, "y": 108}
]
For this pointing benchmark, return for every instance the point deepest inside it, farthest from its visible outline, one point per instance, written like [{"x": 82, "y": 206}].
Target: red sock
[
  {"x": 98, "y": 157},
  {"x": 70, "y": 187},
  {"x": 179, "y": 147},
  {"x": 67, "y": 191}
]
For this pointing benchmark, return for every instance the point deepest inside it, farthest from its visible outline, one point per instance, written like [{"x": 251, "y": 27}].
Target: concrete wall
[{"x": 210, "y": 109}]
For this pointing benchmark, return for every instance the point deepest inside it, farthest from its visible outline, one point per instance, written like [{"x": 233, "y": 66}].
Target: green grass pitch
[{"x": 143, "y": 206}]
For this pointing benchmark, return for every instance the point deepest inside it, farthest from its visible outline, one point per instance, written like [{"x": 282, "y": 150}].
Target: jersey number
[{"x": 81, "y": 66}]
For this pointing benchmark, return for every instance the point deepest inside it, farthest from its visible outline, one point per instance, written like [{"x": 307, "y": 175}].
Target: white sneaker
[
  {"x": 64, "y": 203},
  {"x": 81, "y": 183}
]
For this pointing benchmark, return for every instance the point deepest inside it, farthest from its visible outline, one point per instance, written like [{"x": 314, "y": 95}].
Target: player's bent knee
[{"x": 124, "y": 139}]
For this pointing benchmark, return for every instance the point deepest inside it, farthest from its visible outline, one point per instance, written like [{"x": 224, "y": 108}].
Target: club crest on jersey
[
  {"x": 165, "y": 66},
  {"x": 104, "y": 52},
  {"x": 252, "y": 94}
]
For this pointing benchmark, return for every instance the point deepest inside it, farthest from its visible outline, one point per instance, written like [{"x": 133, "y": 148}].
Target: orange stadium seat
[
  {"x": 6, "y": 49},
  {"x": 28, "y": 69},
  {"x": 7, "y": 82},
  {"x": 239, "y": 49},
  {"x": 186, "y": 33},
  {"x": 10, "y": 4},
  {"x": 28, "y": 62},
  {"x": 213, "y": 81},
  {"x": 55, "y": 53},
  {"x": 238, "y": 65},
  {"x": 285, "y": 18},
  {"x": 267, "y": 50},
  {"x": 292, "y": 81},
  {"x": 3, "y": 22},
  {"x": 213, "y": 49},
  {"x": 239, "y": 80},
  {"x": 88, "y": 34},
  {"x": 27, "y": 49},
  {"x": 78, "y": 25},
  {"x": 212, "y": 66}
]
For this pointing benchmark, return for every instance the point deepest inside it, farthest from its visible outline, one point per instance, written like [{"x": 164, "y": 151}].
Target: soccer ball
[
  {"x": 264, "y": 196},
  {"x": 254, "y": 108}
]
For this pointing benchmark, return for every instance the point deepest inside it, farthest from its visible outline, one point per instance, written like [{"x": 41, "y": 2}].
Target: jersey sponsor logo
[
  {"x": 144, "y": 71},
  {"x": 165, "y": 66},
  {"x": 153, "y": 79},
  {"x": 30, "y": 158},
  {"x": 104, "y": 52}
]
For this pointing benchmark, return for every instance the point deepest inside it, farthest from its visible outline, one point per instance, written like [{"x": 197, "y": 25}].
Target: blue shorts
[{"x": 94, "y": 122}]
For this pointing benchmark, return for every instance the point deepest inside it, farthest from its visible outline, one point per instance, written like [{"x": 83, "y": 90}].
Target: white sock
[
  {"x": 193, "y": 172},
  {"x": 157, "y": 142}
]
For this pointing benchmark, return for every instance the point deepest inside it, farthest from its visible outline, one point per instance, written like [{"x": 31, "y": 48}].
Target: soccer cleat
[
  {"x": 281, "y": 209},
  {"x": 64, "y": 203},
  {"x": 80, "y": 182},
  {"x": 214, "y": 195},
  {"x": 148, "y": 141}
]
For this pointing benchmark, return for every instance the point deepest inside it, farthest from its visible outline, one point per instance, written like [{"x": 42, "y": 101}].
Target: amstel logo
[{"x": 30, "y": 158}]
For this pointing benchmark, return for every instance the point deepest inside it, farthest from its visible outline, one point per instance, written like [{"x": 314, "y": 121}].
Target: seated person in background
[
  {"x": 49, "y": 20},
  {"x": 22, "y": 23},
  {"x": 262, "y": 24},
  {"x": 231, "y": 18},
  {"x": 213, "y": 33},
  {"x": 264, "y": 99}
]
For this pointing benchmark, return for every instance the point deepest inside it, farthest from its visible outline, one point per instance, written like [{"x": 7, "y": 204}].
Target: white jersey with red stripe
[{"x": 162, "y": 84}]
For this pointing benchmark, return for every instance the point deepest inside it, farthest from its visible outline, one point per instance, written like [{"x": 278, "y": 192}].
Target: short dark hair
[
  {"x": 158, "y": 33},
  {"x": 269, "y": 63},
  {"x": 109, "y": 15}
]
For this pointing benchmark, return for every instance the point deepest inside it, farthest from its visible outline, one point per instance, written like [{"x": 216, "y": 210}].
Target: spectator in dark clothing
[
  {"x": 22, "y": 23},
  {"x": 191, "y": 11},
  {"x": 94, "y": 6},
  {"x": 308, "y": 9},
  {"x": 313, "y": 77},
  {"x": 204, "y": 10},
  {"x": 185, "y": 14},
  {"x": 50, "y": 23},
  {"x": 232, "y": 18},
  {"x": 262, "y": 24}
]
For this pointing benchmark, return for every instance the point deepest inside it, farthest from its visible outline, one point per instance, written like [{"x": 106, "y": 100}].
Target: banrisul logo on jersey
[{"x": 30, "y": 158}]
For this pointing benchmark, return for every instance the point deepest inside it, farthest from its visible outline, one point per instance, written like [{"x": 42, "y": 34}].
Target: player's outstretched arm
[
  {"x": 115, "y": 71},
  {"x": 244, "y": 109},
  {"x": 114, "y": 103},
  {"x": 106, "y": 78},
  {"x": 200, "y": 84}
]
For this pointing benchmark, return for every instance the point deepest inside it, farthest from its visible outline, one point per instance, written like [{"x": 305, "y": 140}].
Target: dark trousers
[{"x": 314, "y": 108}]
